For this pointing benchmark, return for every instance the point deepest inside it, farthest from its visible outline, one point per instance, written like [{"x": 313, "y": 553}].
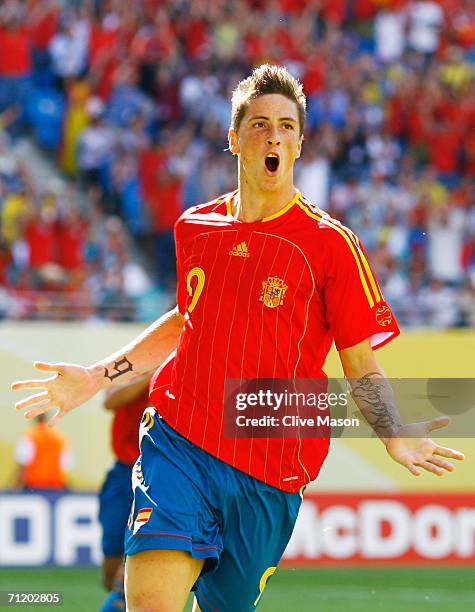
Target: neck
[{"x": 250, "y": 206}]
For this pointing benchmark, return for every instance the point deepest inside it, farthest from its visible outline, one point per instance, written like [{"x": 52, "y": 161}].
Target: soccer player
[
  {"x": 128, "y": 403},
  {"x": 266, "y": 282}
]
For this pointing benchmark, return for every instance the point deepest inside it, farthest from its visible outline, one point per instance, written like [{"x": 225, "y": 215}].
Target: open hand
[
  {"x": 68, "y": 387},
  {"x": 413, "y": 448}
]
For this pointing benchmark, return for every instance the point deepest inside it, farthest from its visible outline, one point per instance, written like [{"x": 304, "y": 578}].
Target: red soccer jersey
[
  {"x": 263, "y": 300},
  {"x": 125, "y": 429}
]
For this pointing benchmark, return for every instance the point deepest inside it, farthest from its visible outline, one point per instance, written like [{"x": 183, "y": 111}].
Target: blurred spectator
[
  {"x": 344, "y": 197},
  {"x": 162, "y": 186},
  {"x": 44, "y": 24},
  {"x": 95, "y": 145},
  {"x": 68, "y": 50},
  {"x": 40, "y": 235},
  {"x": 75, "y": 121},
  {"x": 467, "y": 303},
  {"x": 15, "y": 61},
  {"x": 70, "y": 229},
  {"x": 103, "y": 35},
  {"x": 425, "y": 22},
  {"x": 14, "y": 209},
  {"x": 196, "y": 89},
  {"x": 113, "y": 303},
  {"x": 313, "y": 175},
  {"x": 440, "y": 303},
  {"x": 134, "y": 137},
  {"x": 461, "y": 23},
  {"x": 43, "y": 458},
  {"x": 127, "y": 100},
  {"x": 430, "y": 187},
  {"x": 445, "y": 231},
  {"x": 383, "y": 152},
  {"x": 411, "y": 303},
  {"x": 389, "y": 34}
]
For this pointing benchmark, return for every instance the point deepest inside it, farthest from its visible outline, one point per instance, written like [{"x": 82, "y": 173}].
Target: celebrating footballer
[{"x": 266, "y": 282}]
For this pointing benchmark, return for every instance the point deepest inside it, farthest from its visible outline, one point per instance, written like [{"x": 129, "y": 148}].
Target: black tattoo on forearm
[
  {"x": 120, "y": 367},
  {"x": 374, "y": 397}
]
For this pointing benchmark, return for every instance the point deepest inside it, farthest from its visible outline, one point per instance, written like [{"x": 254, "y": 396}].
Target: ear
[
  {"x": 233, "y": 141},
  {"x": 299, "y": 147}
]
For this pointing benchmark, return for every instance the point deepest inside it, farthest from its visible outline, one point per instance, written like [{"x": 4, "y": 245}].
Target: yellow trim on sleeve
[
  {"x": 370, "y": 275},
  {"x": 350, "y": 243}
]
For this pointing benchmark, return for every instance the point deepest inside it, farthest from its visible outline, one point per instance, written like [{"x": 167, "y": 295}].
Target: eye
[
  {"x": 258, "y": 124},
  {"x": 288, "y": 126}
]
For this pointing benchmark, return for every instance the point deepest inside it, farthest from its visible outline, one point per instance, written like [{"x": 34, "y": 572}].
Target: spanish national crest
[
  {"x": 142, "y": 517},
  {"x": 384, "y": 316},
  {"x": 273, "y": 292}
]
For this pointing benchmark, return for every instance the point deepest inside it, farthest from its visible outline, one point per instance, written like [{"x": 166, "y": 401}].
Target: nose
[{"x": 273, "y": 137}]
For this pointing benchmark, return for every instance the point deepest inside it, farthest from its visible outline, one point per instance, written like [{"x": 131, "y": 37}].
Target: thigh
[
  {"x": 160, "y": 580},
  {"x": 171, "y": 509},
  {"x": 257, "y": 528}
]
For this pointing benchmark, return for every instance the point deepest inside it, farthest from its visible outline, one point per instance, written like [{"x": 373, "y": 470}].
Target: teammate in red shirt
[
  {"x": 127, "y": 403},
  {"x": 266, "y": 281}
]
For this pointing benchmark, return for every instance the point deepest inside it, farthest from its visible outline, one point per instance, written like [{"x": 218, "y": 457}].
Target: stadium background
[{"x": 114, "y": 118}]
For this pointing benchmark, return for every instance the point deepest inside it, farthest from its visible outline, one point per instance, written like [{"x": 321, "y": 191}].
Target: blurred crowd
[
  {"x": 132, "y": 100},
  {"x": 60, "y": 257}
]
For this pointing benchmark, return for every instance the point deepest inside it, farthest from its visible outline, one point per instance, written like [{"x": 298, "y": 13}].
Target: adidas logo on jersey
[{"x": 240, "y": 250}]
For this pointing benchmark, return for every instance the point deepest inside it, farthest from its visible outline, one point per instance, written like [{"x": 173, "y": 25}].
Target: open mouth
[{"x": 272, "y": 162}]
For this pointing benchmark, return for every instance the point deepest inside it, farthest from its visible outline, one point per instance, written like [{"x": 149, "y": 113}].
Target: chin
[{"x": 272, "y": 182}]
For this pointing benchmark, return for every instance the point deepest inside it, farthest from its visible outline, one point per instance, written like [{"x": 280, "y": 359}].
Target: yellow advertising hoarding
[{"x": 356, "y": 464}]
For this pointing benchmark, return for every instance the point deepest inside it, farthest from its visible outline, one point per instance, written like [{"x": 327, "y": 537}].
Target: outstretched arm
[
  {"x": 71, "y": 385},
  {"x": 408, "y": 444}
]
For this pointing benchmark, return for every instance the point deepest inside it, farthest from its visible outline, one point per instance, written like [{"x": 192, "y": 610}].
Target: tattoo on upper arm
[
  {"x": 375, "y": 399},
  {"x": 120, "y": 367}
]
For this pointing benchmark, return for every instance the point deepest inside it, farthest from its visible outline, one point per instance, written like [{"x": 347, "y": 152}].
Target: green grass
[
  {"x": 81, "y": 588},
  {"x": 370, "y": 589},
  {"x": 305, "y": 590}
]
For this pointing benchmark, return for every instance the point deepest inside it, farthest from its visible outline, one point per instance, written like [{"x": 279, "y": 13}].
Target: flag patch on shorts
[{"x": 142, "y": 518}]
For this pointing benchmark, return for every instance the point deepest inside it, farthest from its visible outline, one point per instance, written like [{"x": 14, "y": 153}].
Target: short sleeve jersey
[{"x": 263, "y": 300}]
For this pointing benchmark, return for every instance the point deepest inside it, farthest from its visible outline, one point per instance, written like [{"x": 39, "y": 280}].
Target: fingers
[
  {"x": 412, "y": 468},
  {"x": 438, "y": 423},
  {"x": 56, "y": 417},
  {"x": 30, "y": 384},
  {"x": 449, "y": 452},
  {"x": 39, "y": 409},
  {"x": 43, "y": 407},
  {"x": 27, "y": 384},
  {"x": 430, "y": 467},
  {"x": 57, "y": 368},
  {"x": 442, "y": 463},
  {"x": 434, "y": 465},
  {"x": 30, "y": 401},
  {"x": 48, "y": 367}
]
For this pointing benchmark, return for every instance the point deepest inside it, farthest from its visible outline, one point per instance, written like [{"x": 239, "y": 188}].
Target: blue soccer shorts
[
  {"x": 186, "y": 499},
  {"x": 115, "y": 500}
]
